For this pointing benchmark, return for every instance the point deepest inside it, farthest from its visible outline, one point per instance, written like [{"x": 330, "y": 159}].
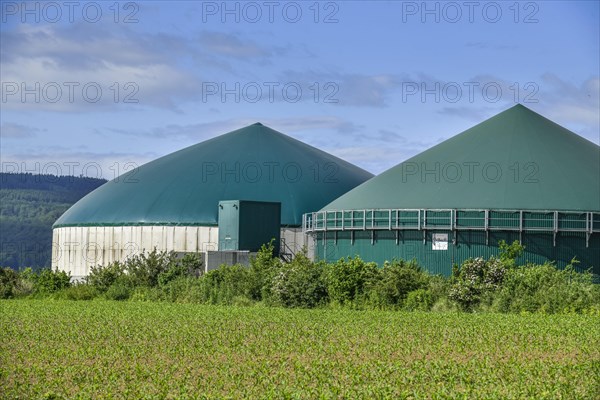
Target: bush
[
  {"x": 9, "y": 279},
  {"x": 188, "y": 290},
  {"x": 151, "y": 270},
  {"x": 49, "y": 281},
  {"x": 80, "y": 291},
  {"x": 419, "y": 300},
  {"x": 222, "y": 285},
  {"x": 510, "y": 252},
  {"x": 443, "y": 304},
  {"x": 349, "y": 280},
  {"x": 187, "y": 266},
  {"x": 118, "y": 291},
  {"x": 544, "y": 288},
  {"x": 474, "y": 281},
  {"x": 26, "y": 283},
  {"x": 263, "y": 268},
  {"x": 178, "y": 289},
  {"x": 145, "y": 293},
  {"x": 193, "y": 264},
  {"x": 145, "y": 269},
  {"x": 396, "y": 280},
  {"x": 102, "y": 277},
  {"x": 433, "y": 296},
  {"x": 299, "y": 283}
]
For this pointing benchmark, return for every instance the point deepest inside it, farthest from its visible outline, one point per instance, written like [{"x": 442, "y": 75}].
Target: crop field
[{"x": 103, "y": 349}]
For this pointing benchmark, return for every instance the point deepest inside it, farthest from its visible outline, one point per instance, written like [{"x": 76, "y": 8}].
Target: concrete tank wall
[{"x": 77, "y": 249}]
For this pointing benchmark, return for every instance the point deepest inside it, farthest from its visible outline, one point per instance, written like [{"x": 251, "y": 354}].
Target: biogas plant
[
  {"x": 516, "y": 176},
  {"x": 220, "y": 198}
]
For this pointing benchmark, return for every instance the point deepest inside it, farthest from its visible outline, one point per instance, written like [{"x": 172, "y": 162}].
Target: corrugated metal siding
[
  {"x": 380, "y": 246},
  {"x": 504, "y": 219},
  {"x": 77, "y": 249},
  {"x": 571, "y": 221},
  {"x": 471, "y": 219}
]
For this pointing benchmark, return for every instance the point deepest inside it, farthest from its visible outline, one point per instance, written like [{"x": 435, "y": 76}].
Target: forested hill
[{"x": 29, "y": 205}]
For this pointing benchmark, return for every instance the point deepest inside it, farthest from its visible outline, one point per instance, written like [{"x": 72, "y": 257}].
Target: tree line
[{"x": 29, "y": 205}]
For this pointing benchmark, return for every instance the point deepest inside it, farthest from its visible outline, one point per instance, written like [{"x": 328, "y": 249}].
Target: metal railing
[{"x": 452, "y": 219}]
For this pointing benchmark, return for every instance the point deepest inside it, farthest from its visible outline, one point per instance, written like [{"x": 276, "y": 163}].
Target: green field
[{"x": 103, "y": 349}]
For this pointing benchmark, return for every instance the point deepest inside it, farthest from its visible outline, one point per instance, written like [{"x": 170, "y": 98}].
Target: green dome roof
[
  {"x": 184, "y": 187},
  {"x": 515, "y": 160}
]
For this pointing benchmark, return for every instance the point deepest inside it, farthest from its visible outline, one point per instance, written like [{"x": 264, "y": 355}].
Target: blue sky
[{"x": 95, "y": 88}]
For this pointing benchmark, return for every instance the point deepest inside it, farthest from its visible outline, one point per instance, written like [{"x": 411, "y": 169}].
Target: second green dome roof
[
  {"x": 516, "y": 160},
  {"x": 184, "y": 187}
]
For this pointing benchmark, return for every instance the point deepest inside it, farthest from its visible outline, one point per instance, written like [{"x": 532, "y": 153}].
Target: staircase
[{"x": 285, "y": 252}]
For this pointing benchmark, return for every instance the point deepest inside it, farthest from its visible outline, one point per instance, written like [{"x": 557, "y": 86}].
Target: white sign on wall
[{"x": 439, "y": 241}]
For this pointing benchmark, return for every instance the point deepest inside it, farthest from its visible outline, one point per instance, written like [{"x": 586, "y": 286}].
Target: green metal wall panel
[
  {"x": 538, "y": 220},
  {"x": 259, "y": 223},
  {"x": 471, "y": 219},
  {"x": 229, "y": 225},
  {"x": 381, "y": 246},
  {"x": 437, "y": 219},
  {"x": 571, "y": 221},
  {"x": 247, "y": 225},
  {"x": 504, "y": 219}
]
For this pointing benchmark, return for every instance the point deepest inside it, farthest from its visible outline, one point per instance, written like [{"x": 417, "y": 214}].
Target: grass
[{"x": 102, "y": 349}]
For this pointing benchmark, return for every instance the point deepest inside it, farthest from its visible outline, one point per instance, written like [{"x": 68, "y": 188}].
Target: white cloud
[
  {"x": 10, "y": 130},
  {"x": 577, "y": 104},
  {"x": 345, "y": 89},
  {"x": 47, "y": 68},
  {"x": 230, "y": 45},
  {"x": 206, "y": 130},
  {"x": 373, "y": 158}
]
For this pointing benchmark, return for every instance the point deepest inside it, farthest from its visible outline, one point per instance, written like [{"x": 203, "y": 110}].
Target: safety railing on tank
[{"x": 452, "y": 219}]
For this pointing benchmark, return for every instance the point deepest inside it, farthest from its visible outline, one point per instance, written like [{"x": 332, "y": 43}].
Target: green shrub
[
  {"x": 435, "y": 295},
  {"x": 510, "y": 252},
  {"x": 9, "y": 279},
  {"x": 145, "y": 293},
  {"x": 145, "y": 269},
  {"x": 118, "y": 291},
  {"x": 263, "y": 269},
  {"x": 299, "y": 283},
  {"x": 177, "y": 289},
  {"x": 193, "y": 264},
  {"x": 79, "y": 291},
  {"x": 222, "y": 285},
  {"x": 396, "y": 280},
  {"x": 419, "y": 300},
  {"x": 193, "y": 291},
  {"x": 102, "y": 277},
  {"x": 545, "y": 288},
  {"x": 188, "y": 266},
  {"x": 443, "y": 304},
  {"x": 475, "y": 279},
  {"x": 242, "y": 301},
  {"x": 349, "y": 280},
  {"x": 26, "y": 283},
  {"x": 49, "y": 281},
  {"x": 152, "y": 269}
]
